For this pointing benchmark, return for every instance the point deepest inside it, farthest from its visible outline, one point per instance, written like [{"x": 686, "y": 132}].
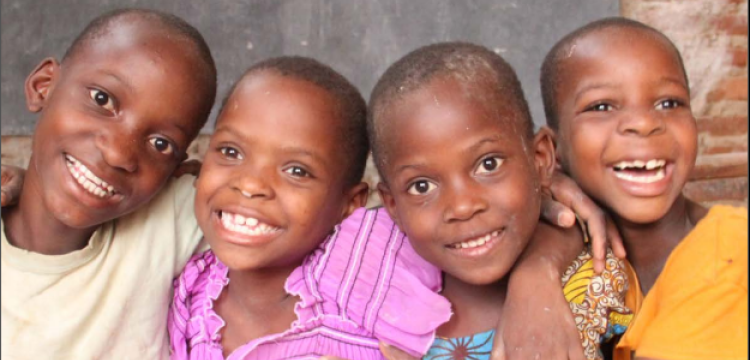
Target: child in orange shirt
[{"x": 617, "y": 96}]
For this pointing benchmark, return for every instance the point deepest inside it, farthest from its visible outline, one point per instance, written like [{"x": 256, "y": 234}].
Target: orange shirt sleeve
[{"x": 699, "y": 305}]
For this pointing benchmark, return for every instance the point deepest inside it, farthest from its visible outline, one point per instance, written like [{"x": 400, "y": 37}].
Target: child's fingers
[
  {"x": 556, "y": 213},
  {"x": 615, "y": 240},
  {"x": 568, "y": 193},
  {"x": 11, "y": 183}
]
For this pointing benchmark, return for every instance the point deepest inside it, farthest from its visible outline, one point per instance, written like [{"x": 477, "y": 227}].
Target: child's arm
[
  {"x": 563, "y": 198},
  {"x": 537, "y": 320}
]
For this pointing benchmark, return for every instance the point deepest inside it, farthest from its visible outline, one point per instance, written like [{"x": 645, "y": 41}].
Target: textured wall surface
[{"x": 713, "y": 38}]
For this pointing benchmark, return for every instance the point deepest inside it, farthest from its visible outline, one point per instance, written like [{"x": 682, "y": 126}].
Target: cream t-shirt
[{"x": 108, "y": 300}]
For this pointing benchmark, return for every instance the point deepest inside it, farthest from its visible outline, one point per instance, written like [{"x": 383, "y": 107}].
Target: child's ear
[
  {"x": 544, "y": 155},
  {"x": 388, "y": 202},
  {"x": 39, "y": 84},
  {"x": 357, "y": 196}
]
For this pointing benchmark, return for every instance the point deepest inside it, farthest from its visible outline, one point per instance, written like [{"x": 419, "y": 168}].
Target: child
[
  {"x": 84, "y": 276},
  {"x": 462, "y": 175},
  {"x": 616, "y": 93},
  {"x": 284, "y": 166}
]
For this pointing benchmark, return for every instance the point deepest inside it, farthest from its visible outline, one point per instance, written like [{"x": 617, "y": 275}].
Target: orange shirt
[{"x": 697, "y": 309}]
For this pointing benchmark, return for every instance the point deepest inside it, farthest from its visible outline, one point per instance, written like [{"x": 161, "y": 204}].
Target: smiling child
[
  {"x": 462, "y": 175},
  {"x": 82, "y": 277},
  {"x": 617, "y": 94},
  {"x": 284, "y": 167}
]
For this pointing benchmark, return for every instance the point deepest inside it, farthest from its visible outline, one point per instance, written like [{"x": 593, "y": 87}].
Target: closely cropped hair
[
  {"x": 101, "y": 26},
  {"x": 551, "y": 67},
  {"x": 485, "y": 74},
  {"x": 351, "y": 107}
]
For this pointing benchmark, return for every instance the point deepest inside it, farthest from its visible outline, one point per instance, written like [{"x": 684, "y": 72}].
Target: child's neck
[
  {"x": 649, "y": 245},
  {"x": 31, "y": 226},
  {"x": 476, "y": 308},
  {"x": 255, "y": 304}
]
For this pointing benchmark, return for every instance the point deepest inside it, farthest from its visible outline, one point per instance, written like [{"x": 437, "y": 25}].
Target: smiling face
[
  {"x": 274, "y": 182},
  {"x": 626, "y": 132},
  {"x": 462, "y": 180},
  {"x": 115, "y": 121}
]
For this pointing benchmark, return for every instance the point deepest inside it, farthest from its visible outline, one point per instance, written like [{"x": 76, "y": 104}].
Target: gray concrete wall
[{"x": 359, "y": 38}]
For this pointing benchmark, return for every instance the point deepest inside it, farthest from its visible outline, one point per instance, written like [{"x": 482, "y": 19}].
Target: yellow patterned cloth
[{"x": 597, "y": 301}]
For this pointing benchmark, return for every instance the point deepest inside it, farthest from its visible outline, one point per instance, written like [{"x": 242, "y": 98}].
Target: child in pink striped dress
[{"x": 283, "y": 168}]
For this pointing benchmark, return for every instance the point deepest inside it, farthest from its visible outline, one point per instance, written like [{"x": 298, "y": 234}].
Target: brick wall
[{"x": 712, "y": 36}]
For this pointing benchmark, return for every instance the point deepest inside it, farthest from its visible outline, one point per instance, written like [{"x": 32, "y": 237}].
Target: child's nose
[
  {"x": 463, "y": 202},
  {"x": 641, "y": 123},
  {"x": 253, "y": 185},
  {"x": 118, "y": 150}
]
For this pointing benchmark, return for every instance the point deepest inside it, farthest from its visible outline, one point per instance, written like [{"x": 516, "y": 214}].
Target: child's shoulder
[
  {"x": 715, "y": 250},
  {"x": 367, "y": 273}
]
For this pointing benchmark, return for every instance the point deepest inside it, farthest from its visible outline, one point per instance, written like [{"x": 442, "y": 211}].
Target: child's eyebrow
[
  {"x": 480, "y": 143},
  {"x": 673, "y": 80},
  {"x": 304, "y": 152},
  {"x": 593, "y": 86},
  {"x": 121, "y": 80}
]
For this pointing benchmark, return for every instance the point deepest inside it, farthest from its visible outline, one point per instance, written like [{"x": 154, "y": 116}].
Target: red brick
[
  {"x": 737, "y": 57},
  {"x": 720, "y": 166},
  {"x": 733, "y": 88},
  {"x": 732, "y": 24},
  {"x": 722, "y": 126},
  {"x": 724, "y": 149},
  {"x": 729, "y": 189}
]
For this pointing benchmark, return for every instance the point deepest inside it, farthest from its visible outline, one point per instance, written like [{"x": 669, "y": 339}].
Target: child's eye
[
  {"x": 668, "y": 104},
  {"x": 230, "y": 153},
  {"x": 488, "y": 165},
  {"x": 162, "y": 145},
  {"x": 600, "y": 107},
  {"x": 421, "y": 187},
  {"x": 102, "y": 99},
  {"x": 297, "y": 171}
]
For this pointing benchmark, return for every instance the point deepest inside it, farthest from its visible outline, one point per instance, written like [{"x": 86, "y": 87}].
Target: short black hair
[
  {"x": 351, "y": 107},
  {"x": 99, "y": 27},
  {"x": 551, "y": 67},
  {"x": 469, "y": 63}
]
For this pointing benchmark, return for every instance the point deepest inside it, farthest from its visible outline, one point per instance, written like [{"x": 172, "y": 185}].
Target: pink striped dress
[{"x": 363, "y": 284}]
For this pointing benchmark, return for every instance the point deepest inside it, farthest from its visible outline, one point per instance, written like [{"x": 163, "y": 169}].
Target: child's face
[
  {"x": 461, "y": 182},
  {"x": 115, "y": 121},
  {"x": 272, "y": 185},
  {"x": 626, "y": 132}
]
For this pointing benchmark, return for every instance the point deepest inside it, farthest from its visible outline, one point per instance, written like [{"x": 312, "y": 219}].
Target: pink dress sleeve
[{"x": 367, "y": 275}]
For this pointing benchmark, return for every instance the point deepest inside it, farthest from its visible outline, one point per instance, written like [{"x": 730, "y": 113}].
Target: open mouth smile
[
  {"x": 642, "y": 172},
  {"x": 245, "y": 225},
  {"x": 476, "y": 246},
  {"x": 93, "y": 184}
]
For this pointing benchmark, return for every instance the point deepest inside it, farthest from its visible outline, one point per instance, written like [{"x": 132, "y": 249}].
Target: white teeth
[
  {"x": 653, "y": 164},
  {"x": 247, "y": 226},
  {"x": 641, "y": 179},
  {"x": 476, "y": 241},
  {"x": 87, "y": 179},
  {"x": 639, "y": 164}
]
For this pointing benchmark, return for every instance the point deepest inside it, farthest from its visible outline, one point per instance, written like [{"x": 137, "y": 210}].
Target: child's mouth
[
  {"x": 248, "y": 226},
  {"x": 475, "y": 242},
  {"x": 88, "y": 181},
  {"x": 639, "y": 171}
]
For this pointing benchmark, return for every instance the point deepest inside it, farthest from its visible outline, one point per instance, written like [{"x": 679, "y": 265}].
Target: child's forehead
[
  {"x": 476, "y": 100},
  {"x": 606, "y": 41}
]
